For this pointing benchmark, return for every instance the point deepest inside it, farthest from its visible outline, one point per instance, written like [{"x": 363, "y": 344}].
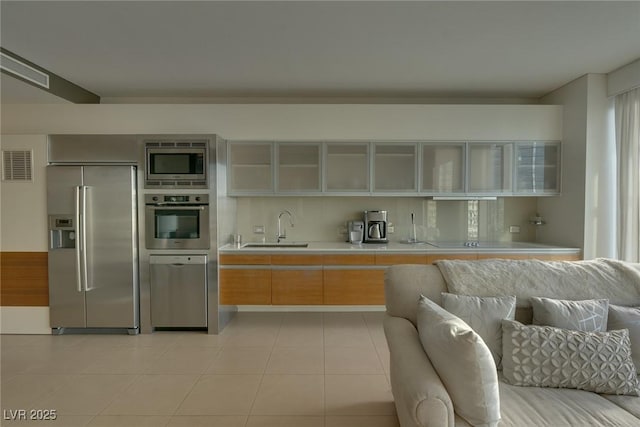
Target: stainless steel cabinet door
[
  {"x": 111, "y": 230},
  {"x": 66, "y": 297}
]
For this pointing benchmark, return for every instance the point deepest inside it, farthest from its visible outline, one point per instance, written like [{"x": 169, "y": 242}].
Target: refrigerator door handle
[
  {"x": 85, "y": 275},
  {"x": 79, "y": 234}
]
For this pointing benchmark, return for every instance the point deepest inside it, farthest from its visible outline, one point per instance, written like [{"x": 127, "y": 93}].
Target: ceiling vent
[
  {"x": 17, "y": 166},
  {"x": 18, "y": 68}
]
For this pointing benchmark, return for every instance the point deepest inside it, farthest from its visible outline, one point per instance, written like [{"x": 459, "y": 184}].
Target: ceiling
[{"x": 314, "y": 49}]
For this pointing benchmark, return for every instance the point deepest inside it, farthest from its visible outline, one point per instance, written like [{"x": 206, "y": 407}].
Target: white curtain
[{"x": 627, "y": 116}]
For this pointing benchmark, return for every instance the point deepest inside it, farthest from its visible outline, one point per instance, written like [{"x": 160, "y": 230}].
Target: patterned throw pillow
[
  {"x": 484, "y": 315},
  {"x": 587, "y": 315},
  {"x": 545, "y": 356}
]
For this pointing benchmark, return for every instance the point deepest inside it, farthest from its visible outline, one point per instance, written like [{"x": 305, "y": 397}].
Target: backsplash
[{"x": 323, "y": 219}]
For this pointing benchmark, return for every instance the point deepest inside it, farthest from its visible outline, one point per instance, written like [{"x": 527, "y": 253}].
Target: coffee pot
[{"x": 375, "y": 225}]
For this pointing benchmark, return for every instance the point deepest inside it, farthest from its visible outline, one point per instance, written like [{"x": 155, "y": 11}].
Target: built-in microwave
[{"x": 176, "y": 164}]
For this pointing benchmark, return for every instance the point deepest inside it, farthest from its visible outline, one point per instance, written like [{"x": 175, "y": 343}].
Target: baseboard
[{"x": 24, "y": 320}]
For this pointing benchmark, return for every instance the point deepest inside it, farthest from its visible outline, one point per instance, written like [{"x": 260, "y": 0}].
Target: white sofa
[{"x": 421, "y": 398}]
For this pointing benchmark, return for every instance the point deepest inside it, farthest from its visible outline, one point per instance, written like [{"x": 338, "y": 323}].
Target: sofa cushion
[
  {"x": 630, "y": 404},
  {"x": 587, "y": 315},
  {"x": 463, "y": 362},
  {"x": 627, "y": 318},
  {"x": 484, "y": 315},
  {"x": 545, "y": 356},
  {"x": 553, "y": 407}
]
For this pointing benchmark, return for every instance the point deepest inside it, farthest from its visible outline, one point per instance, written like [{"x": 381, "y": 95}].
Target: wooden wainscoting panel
[
  {"x": 24, "y": 279},
  {"x": 557, "y": 257},
  {"x": 504, "y": 256}
]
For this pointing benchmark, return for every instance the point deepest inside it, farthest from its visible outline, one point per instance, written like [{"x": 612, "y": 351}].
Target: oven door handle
[{"x": 178, "y": 208}]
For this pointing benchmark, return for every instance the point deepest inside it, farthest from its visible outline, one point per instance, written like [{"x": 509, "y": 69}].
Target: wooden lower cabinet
[
  {"x": 296, "y": 287},
  {"x": 245, "y": 286},
  {"x": 355, "y": 279},
  {"x": 353, "y": 286}
]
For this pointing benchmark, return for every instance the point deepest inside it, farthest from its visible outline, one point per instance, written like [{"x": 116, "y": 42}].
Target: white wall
[
  {"x": 565, "y": 214},
  {"x": 447, "y": 122},
  {"x": 24, "y": 204},
  {"x": 581, "y": 216}
]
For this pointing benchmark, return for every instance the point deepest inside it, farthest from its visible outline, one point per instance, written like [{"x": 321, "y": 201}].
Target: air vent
[
  {"x": 17, "y": 166},
  {"x": 167, "y": 144},
  {"x": 24, "y": 71},
  {"x": 184, "y": 184},
  {"x": 152, "y": 144},
  {"x": 154, "y": 183},
  {"x": 199, "y": 183}
]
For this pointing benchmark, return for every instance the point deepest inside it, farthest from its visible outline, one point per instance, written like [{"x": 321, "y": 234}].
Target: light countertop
[{"x": 397, "y": 247}]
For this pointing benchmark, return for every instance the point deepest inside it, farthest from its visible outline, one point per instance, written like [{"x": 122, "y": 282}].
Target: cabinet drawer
[
  {"x": 245, "y": 259},
  {"x": 354, "y": 287},
  {"x": 360, "y": 259},
  {"x": 296, "y": 259},
  {"x": 239, "y": 286},
  {"x": 292, "y": 287},
  {"x": 401, "y": 259}
]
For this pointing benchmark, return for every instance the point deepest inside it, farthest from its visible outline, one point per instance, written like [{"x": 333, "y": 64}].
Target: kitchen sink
[{"x": 275, "y": 245}]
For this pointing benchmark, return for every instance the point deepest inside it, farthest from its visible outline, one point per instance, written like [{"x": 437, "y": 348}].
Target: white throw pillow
[
  {"x": 463, "y": 362},
  {"x": 587, "y": 315},
  {"x": 544, "y": 356},
  {"x": 484, "y": 315},
  {"x": 627, "y": 318}
]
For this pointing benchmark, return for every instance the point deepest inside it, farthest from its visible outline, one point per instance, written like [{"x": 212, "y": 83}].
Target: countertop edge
[{"x": 395, "y": 249}]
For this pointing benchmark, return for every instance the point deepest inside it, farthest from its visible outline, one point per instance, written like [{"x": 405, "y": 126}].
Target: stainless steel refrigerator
[{"x": 93, "y": 253}]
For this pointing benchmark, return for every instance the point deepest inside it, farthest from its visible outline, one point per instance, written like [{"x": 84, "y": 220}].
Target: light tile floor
[{"x": 263, "y": 370}]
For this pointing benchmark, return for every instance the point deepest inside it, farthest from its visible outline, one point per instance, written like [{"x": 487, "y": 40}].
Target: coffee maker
[{"x": 375, "y": 227}]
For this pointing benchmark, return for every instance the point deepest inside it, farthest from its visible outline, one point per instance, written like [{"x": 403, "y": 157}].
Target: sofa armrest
[{"x": 420, "y": 397}]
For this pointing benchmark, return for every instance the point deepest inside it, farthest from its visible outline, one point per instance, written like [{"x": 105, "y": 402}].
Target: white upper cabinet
[
  {"x": 537, "y": 168},
  {"x": 250, "y": 168},
  {"x": 442, "y": 168},
  {"x": 299, "y": 167},
  {"x": 347, "y": 167},
  {"x": 490, "y": 169},
  {"x": 395, "y": 167},
  {"x": 429, "y": 168}
]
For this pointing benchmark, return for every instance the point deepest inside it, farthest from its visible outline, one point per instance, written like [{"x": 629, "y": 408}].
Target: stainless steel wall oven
[{"x": 177, "y": 221}]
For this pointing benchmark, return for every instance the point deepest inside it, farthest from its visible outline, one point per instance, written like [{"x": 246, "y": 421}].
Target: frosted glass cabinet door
[
  {"x": 490, "y": 167},
  {"x": 538, "y": 167},
  {"x": 395, "y": 167},
  {"x": 347, "y": 167},
  {"x": 442, "y": 168},
  {"x": 299, "y": 167},
  {"x": 250, "y": 168}
]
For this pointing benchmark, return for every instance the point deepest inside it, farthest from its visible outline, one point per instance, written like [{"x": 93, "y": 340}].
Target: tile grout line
[{"x": 255, "y": 397}]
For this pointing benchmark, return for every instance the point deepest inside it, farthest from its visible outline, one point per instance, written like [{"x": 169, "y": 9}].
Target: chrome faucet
[{"x": 282, "y": 233}]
